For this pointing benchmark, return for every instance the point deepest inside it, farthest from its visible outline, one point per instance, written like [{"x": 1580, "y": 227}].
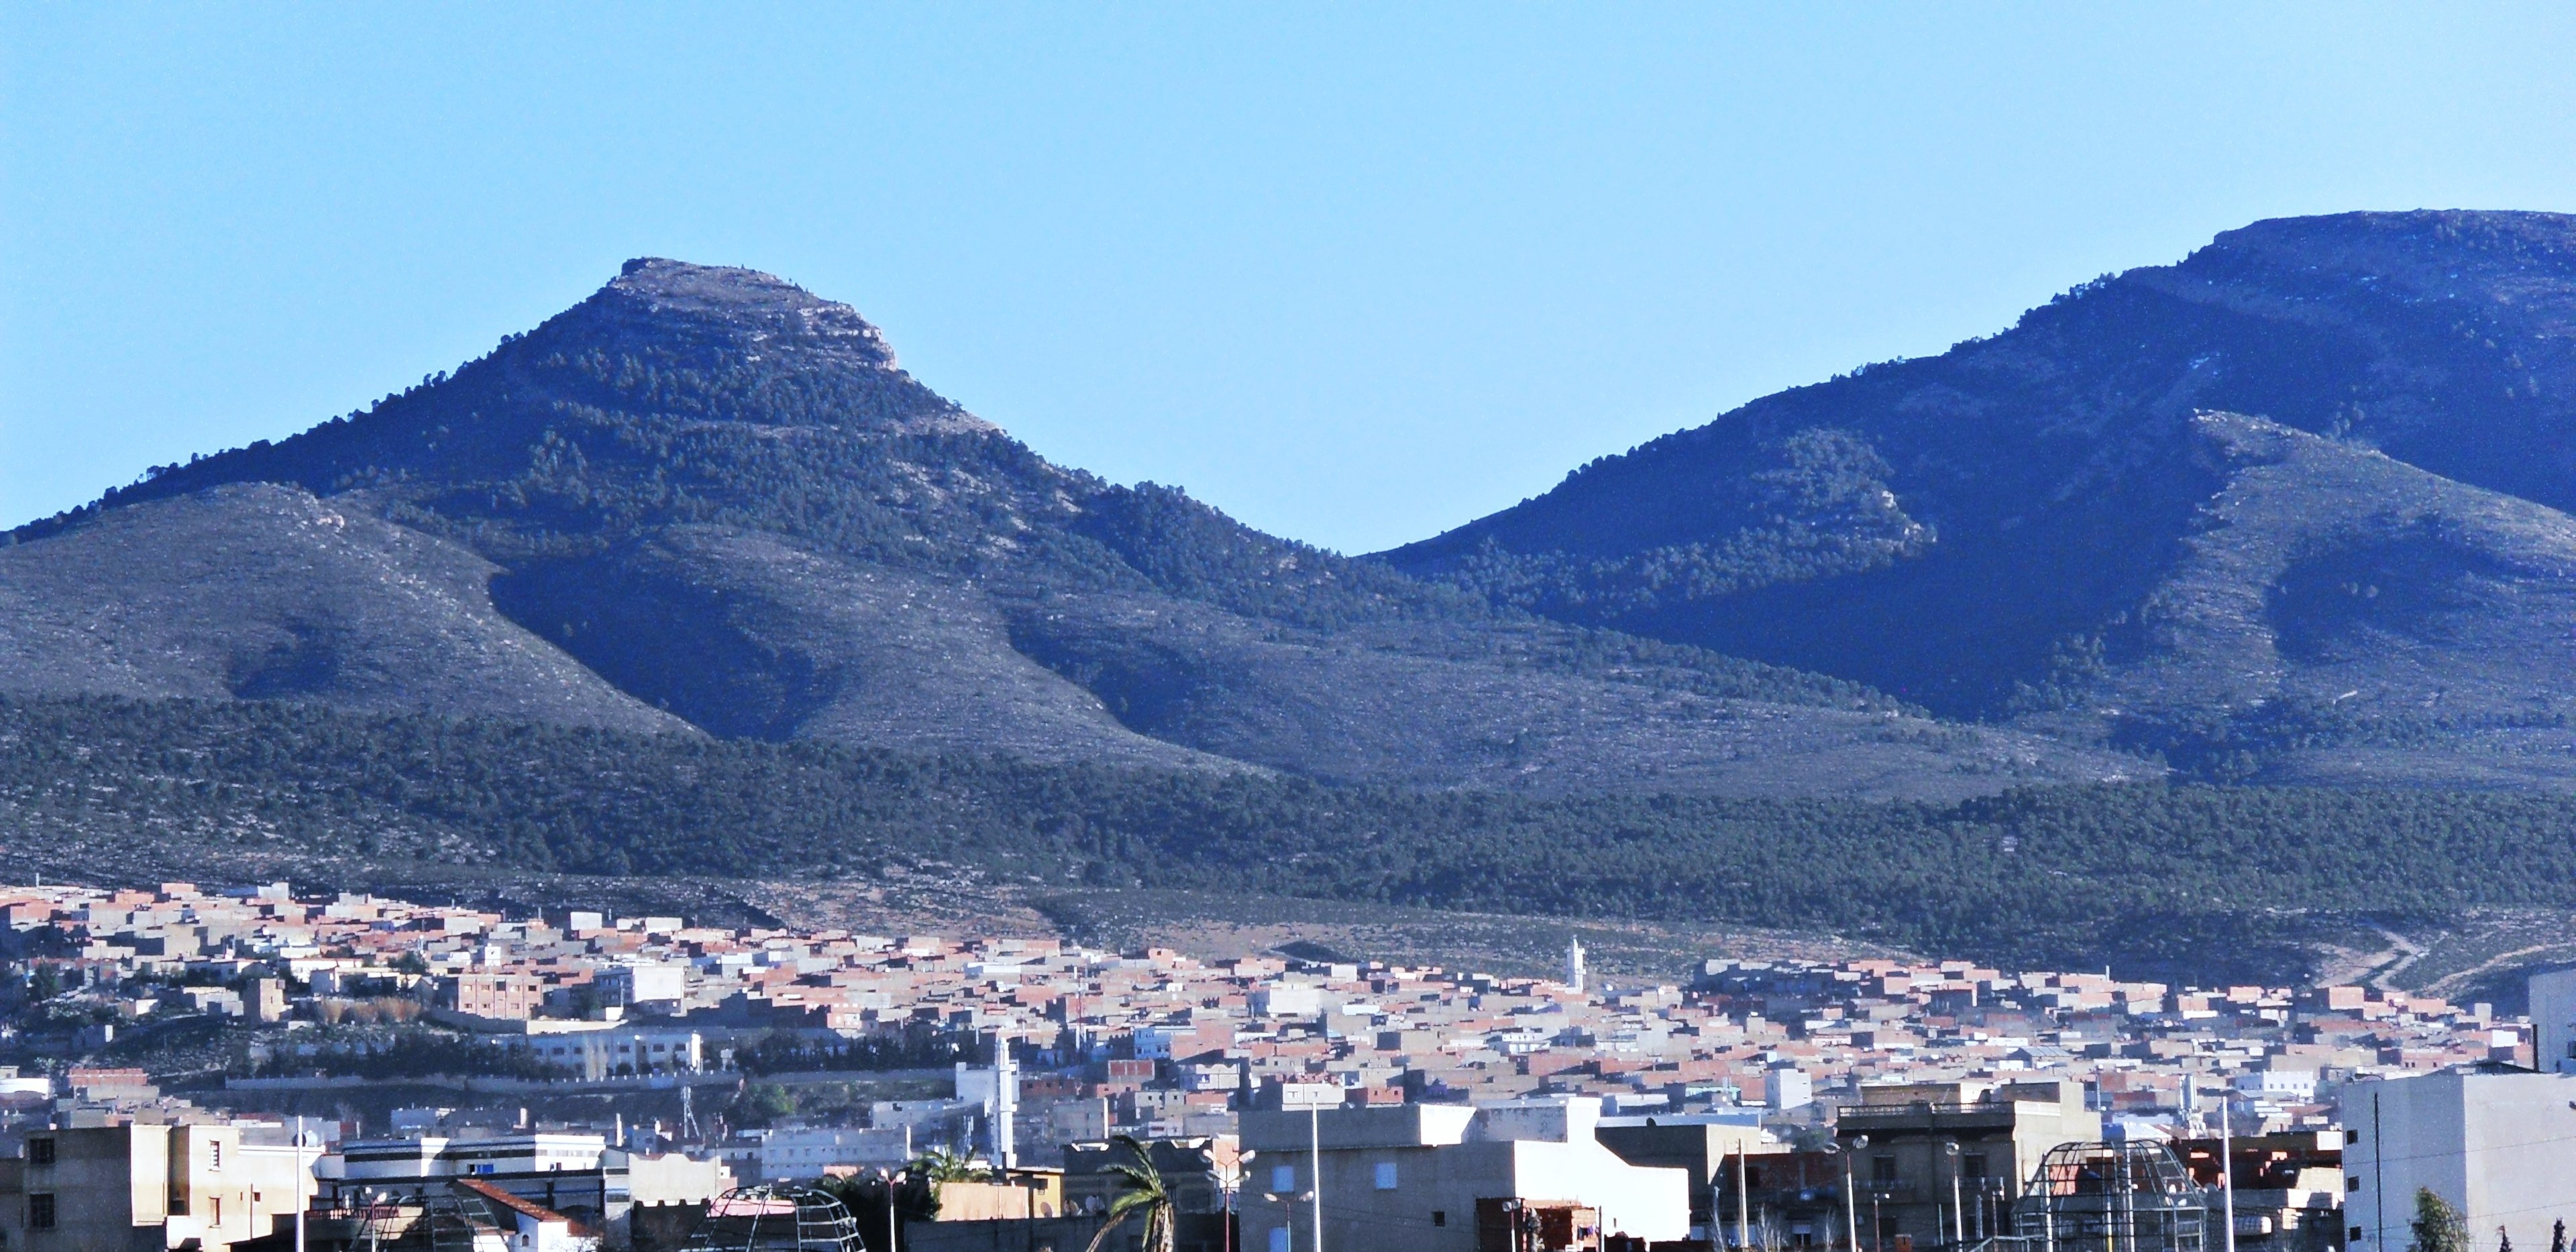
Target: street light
[
  {"x": 1232, "y": 1181},
  {"x": 1287, "y": 1201},
  {"x": 1851, "y": 1203},
  {"x": 1958, "y": 1209}
]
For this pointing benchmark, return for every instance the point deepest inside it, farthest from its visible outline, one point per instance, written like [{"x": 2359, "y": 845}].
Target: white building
[
  {"x": 2553, "y": 1021},
  {"x": 801, "y": 1153},
  {"x": 599, "y": 1052},
  {"x": 1287, "y": 999},
  {"x": 2290, "y": 1086},
  {"x": 1429, "y": 1169},
  {"x": 2494, "y": 1144},
  {"x": 576, "y": 1175},
  {"x": 534, "y": 1227},
  {"x": 645, "y": 983}
]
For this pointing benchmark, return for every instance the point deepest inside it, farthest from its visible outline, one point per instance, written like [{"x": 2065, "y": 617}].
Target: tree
[
  {"x": 1140, "y": 1190},
  {"x": 868, "y": 1195},
  {"x": 942, "y": 1165},
  {"x": 2438, "y": 1227},
  {"x": 766, "y": 1102}
]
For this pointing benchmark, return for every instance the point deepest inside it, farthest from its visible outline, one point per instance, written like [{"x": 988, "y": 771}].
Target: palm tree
[
  {"x": 1140, "y": 1189},
  {"x": 943, "y": 1165}
]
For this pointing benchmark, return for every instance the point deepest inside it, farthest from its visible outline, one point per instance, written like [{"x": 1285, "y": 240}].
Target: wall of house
[
  {"x": 92, "y": 1182},
  {"x": 2553, "y": 1013},
  {"x": 1424, "y": 1196},
  {"x": 2495, "y": 1145}
]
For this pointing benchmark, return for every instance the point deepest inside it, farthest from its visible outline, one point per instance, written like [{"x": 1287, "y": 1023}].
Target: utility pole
[
  {"x": 1315, "y": 1165},
  {"x": 302, "y": 1171},
  {"x": 1743, "y": 1200},
  {"x": 2227, "y": 1166}
]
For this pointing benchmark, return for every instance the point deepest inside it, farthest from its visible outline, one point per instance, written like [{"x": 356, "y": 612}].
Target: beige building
[
  {"x": 150, "y": 1187},
  {"x": 1426, "y": 1176},
  {"x": 1945, "y": 1160},
  {"x": 502, "y": 995}
]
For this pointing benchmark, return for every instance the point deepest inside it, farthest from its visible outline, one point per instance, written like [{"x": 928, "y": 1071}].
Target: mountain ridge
[
  {"x": 721, "y": 497},
  {"x": 1981, "y": 531}
]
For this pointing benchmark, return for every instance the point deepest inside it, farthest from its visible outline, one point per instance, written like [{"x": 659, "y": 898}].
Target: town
[{"x": 247, "y": 1068}]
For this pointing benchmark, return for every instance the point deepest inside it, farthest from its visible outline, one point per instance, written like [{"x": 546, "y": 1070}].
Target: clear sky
[{"x": 1355, "y": 274}]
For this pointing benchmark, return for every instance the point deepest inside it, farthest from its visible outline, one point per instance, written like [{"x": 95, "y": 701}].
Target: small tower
[{"x": 1574, "y": 963}]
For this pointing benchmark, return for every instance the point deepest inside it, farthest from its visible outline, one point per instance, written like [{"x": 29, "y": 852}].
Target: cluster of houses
[{"x": 1293, "y": 1105}]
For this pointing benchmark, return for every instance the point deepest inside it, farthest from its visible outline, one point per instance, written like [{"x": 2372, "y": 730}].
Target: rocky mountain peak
[
  {"x": 2429, "y": 253},
  {"x": 722, "y": 307}
]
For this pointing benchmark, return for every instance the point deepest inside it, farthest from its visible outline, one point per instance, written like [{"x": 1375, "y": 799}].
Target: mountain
[
  {"x": 704, "y": 501},
  {"x": 2293, "y": 509}
]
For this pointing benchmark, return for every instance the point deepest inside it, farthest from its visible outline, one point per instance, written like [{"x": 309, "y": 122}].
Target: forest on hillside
[{"x": 2059, "y": 875}]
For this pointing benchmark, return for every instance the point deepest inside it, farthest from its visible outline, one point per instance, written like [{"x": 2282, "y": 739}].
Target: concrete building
[
  {"x": 1705, "y": 1149},
  {"x": 1439, "y": 1172},
  {"x": 662, "y": 986},
  {"x": 2553, "y": 1021},
  {"x": 1198, "y": 1173},
  {"x": 621, "y": 1051},
  {"x": 147, "y": 1187},
  {"x": 576, "y": 1175},
  {"x": 798, "y": 1154},
  {"x": 2493, "y": 1143},
  {"x": 266, "y": 998},
  {"x": 1942, "y": 1160},
  {"x": 533, "y": 1227},
  {"x": 501, "y": 995},
  {"x": 2289, "y": 1188}
]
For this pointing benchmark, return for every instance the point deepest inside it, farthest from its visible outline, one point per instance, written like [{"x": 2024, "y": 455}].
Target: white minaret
[
  {"x": 1574, "y": 963},
  {"x": 1006, "y": 1103}
]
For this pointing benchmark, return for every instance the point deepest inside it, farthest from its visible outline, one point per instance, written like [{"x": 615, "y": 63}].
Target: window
[
  {"x": 2355, "y": 1235},
  {"x": 1278, "y": 1239},
  {"x": 1386, "y": 1175},
  {"x": 1283, "y": 1178},
  {"x": 1973, "y": 1165},
  {"x": 40, "y": 1152},
  {"x": 2352, "y": 1182},
  {"x": 1882, "y": 1170},
  {"x": 1439, "y": 1217},
  {"x": 215, "y": 1154},
  {"x": 40, "y": 1212}
]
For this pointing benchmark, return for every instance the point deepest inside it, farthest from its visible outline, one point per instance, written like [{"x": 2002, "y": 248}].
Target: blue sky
[{"x": 1355, "y": 274}]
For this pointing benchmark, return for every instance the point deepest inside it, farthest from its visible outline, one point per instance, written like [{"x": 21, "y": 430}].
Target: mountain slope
[
  {"x": 724, "y": 498},
  {"x": 1994, "y": 530},
  {"x": 261, "y": 591},
  {"x": 2338, "y": 614}
]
